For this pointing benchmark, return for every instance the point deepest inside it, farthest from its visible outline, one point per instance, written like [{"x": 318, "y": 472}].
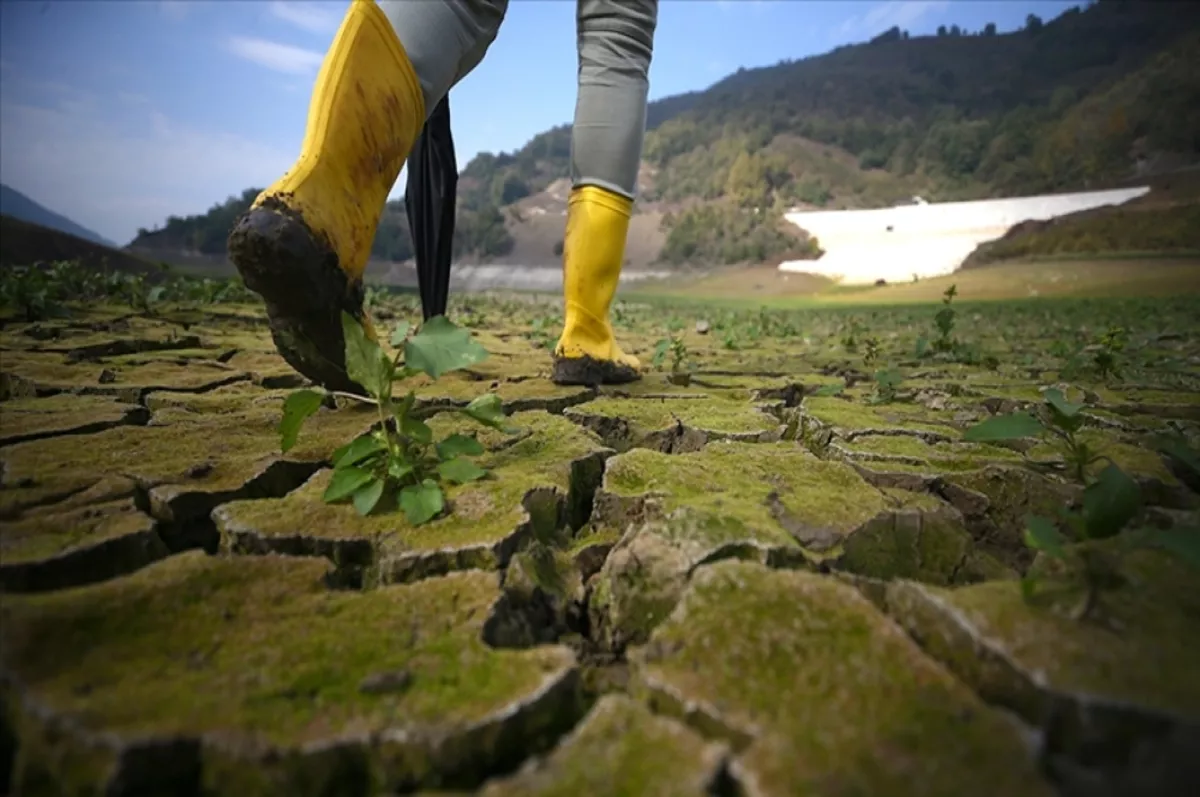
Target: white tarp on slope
[{"x": 926, "y": 240}]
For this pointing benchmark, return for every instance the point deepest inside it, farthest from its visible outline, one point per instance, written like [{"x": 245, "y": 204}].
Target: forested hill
[{"x": 1079, "y": 101}]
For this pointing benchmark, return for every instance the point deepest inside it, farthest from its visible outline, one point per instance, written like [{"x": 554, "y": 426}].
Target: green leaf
[
  {"x": 488, "y": 410},
  {"x": 457, "y": 445},
  {"x": 400, "y": 333},
  {"x": 421, "y": 502},
  {"x": 1055, "y": 398},
  {"x": 414, "y": 429},
  {"x": 367, "y": 496},
  {"x": 890, "y": 377},
  {"x": 440, "y": 347},
  {"x": 829, "y": 390},
  {"x": 1004, "y": 427},
  {"x": 1183, "y": 543},
  {"x": 345, "y": 482},
  {"x": 366, "y": 363},
  {"x": 296, "y": 409},
  {"x": 460, "y": 470},
  {"x": 1042, "y": 535},
  {"x": 1110, "y": 502},
  {"x": 358, "y": 450}
]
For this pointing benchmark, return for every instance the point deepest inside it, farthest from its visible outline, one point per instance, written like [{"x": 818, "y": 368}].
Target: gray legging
[{"x": 446, "y": 39}]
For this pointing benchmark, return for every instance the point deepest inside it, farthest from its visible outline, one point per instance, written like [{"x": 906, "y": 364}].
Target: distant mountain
[
  {"x": 1102, "y": 94},
  {"x": 15, "y": 204}
]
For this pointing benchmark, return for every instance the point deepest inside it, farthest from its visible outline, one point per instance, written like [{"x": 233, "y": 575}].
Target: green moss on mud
[
  {"x": 733, "y": 480},
  {"x": 818, "y": 683},
  {"x": 850, "y": 416},
  {"x": 522, "y": 394},
  {"x": 50, "y": 533},
  {"x": 485, "y": 518},
  {"x": 630, "y": 421},
  {"x": 1133, "y": 459},
  {"x": 932, "y": 546},
  {"x": 1143, "y": 655},
  {"x": 257, "y": 651},
  {"x": 195, "y": 452},
  {"x": 620, "y": 749},
  {"x": 52, "y": 374},
  {"x": 939, "y": 455},
  {"x": 28, "y": 418}
]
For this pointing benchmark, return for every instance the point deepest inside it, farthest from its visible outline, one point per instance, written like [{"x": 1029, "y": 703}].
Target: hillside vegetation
[
  {"x": 16, "y": 205},
  {"x": 23, "y": 243},
  {"x": 1164, "y": 222},
  {"x": 1085, "y": 100}
]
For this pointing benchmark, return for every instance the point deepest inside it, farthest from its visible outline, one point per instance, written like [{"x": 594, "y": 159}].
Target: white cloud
[
  {"x": 313, "y": 17},
  {"x": 114, "y": 175},
  {"x": 882, "y": 16},
  {"x": 273, "y": 55}
]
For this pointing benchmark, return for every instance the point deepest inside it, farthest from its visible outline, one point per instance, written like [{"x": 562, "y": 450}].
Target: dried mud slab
[
  {"x": 92, "y": 536},
  {"x": 1159, "y": 485},
  {"x": 266, "y": 368},
  {"x": 907, "y": 454},
  {"x": 995, "y": 501},
  {"x": 1121, "y": 693},
  {"x": 773, "y": 503},
  {"x": 675, "y": 425},
  {"x": 517, "y": 395},
  {"x": 620, "y": 749},
  {"x": 34, "y": 418},
  {"x": 185, "y": 463},
  {"x": 542, "y": 480},
  {"x": 51, "y": 374},
  {"x": 248, "y": 676},
  {"x": 821, "y": 694},
  {"x": 845, "y": 419}
]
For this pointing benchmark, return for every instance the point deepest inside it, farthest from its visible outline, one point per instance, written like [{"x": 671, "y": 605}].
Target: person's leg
[
  {"x": 305, "y": 242},
  {"x": 615, "y": 41}
]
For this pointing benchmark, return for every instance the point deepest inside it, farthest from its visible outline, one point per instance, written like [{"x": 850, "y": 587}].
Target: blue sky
[{"x": 118, "y": 113}]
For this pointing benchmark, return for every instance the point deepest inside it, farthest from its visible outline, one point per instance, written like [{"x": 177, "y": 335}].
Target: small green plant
[
  {"x": 400, "y": 461},
  {"x": 542, "y": 331},
  {"x": 835, "y": 389},
  {"x": 1111, "y": 501},
  {"x": 850, "y": 339},
  {"x": 871, "y": 355},
  {"x": 674, "y": 349},
  {"x": 1108, "y": 350},
  {"x": 887, "y": 386},
  {"x": 31, "y": 293},
  {"x": 944, "y": 322}
]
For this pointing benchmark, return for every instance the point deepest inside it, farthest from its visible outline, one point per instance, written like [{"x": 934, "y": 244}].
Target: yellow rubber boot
[
  {"x": 593, "y": 248},
  {"x": 305, "y": 242}
]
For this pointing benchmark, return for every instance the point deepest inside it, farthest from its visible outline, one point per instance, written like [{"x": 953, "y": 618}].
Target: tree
[
  {"x": 989, "y": 29},
  {"x": 1033, "y": 23},
  {"x": 941, "y": 31}
]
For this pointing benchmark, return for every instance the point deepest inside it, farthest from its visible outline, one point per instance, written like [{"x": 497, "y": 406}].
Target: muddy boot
[
  {"x": 304, "y": 243},
  {"x": 593, "y": 248}
]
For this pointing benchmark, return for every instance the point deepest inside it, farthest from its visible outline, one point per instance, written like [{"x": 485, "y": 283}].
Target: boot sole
[
  {"x": 297, "y": 274},
  {"x": 591, "y": 372}
]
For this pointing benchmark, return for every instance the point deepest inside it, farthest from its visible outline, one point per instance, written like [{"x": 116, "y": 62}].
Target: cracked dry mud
[{"x": 738, "y": 586}]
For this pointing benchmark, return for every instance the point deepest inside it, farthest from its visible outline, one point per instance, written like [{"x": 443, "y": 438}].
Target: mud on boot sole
[
  {"x": 305, "y": 290},
  {"x": 591, "y": 372}
]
